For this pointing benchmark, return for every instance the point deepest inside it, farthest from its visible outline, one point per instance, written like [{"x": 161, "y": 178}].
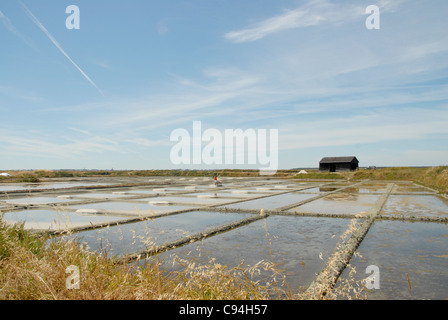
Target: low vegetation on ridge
[{"x": 432, "y": 177}]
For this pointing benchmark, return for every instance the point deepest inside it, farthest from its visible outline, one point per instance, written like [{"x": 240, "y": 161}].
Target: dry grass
[{"x": 315, "y": 174}]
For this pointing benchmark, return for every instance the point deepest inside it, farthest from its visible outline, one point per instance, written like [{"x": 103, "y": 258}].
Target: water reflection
[
  {"x": 134, "y": 237},
  {"x": 293, "y": 244},
  {"x": 402, "y": 250}
]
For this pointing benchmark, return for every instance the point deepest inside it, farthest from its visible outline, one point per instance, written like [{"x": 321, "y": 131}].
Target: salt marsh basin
[{"x": 302, "y": 226}]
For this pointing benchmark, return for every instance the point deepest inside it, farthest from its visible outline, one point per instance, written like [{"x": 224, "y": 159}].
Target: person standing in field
[{"x": 217, "y": 182}]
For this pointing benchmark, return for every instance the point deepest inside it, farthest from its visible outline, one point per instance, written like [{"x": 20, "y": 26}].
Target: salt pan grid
[{"x": 302, "y": 224}]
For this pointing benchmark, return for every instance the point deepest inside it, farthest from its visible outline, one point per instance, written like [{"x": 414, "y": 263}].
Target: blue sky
[{"x": 108, "y": 95}]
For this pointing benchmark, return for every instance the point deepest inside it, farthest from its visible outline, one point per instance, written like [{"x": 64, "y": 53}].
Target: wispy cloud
[
  {"x": 20, "y": 94},
  {"x": 312, "y": 13},
  {"x": 221, "y": 92},
  {"x": 56, "y": 43},
  {"x": 414, "y": 124},
  {"x": 8, "y": 24},
  {"x": 39, "y": 144}
]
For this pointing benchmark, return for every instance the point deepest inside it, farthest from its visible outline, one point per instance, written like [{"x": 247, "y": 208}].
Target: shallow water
[
  {"x": 98, "y": 195},
  {"x": 192, "y": 200},
  {"x": 141, "y": 191},
  {"x": 294, "y": 244},
  {"x": 365, "y": 190},
  {"x": 399, "y": 248},
  {"x": 253, "y": 191},
  {"x": 415, "y": 205},
  {"x": 133, "y": 237},
  {"x": 131, "y": 207},
  {"x": 11, "y": 187},
  {"x": 339, "y": 203},
  {"x": 272, "y": 202},
  {"x": 31, "y": 186},
  {"x": 313, "y": 190},
  {"x": 37, "y": 200},
  {"x": 412, "y": 189},
  {"x": 224, "y": 195},
  {"x": 54, "y": 220}
]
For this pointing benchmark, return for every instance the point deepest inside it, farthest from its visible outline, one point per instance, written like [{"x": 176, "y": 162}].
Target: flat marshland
[{"x": 312, "y": 223}]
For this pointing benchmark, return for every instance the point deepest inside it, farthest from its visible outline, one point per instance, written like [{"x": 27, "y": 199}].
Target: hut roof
[{"x": 338, "y": 159}]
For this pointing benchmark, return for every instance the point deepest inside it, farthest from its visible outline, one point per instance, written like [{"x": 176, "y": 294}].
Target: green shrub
[
  {"x": 28, "y": 178},
  {"x": 63, "y": 174}
]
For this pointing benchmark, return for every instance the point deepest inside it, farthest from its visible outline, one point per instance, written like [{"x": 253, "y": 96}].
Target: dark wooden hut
[{"x": 333, "y": 164}]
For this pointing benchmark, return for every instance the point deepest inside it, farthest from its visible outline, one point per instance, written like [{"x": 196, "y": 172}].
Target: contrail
[
  {"x": 37, "y": 22},
  {"x": 8, "y": 24}
]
